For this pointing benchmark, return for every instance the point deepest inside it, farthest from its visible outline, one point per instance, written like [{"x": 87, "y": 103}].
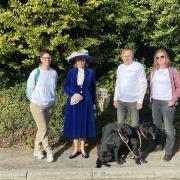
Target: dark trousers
[
  {"x": 124, "y": 108},
  {"x": 161, "y": 112}
]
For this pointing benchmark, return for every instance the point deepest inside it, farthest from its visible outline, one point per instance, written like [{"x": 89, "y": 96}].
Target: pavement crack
[{"x": 27, "y": 175}]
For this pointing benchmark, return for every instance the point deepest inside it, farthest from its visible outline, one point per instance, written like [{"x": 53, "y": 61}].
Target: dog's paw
[
  {"x": 143, "y": 161},
  {"x": 98, "y": 165},
  {"x": 121, "y": 162},
  {"x": 138, "y": 161},
  {"x": 107, "y": 165}
]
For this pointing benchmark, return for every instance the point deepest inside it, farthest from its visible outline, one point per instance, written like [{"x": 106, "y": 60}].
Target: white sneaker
[
  {"x": 38, "y": 154},
  {"x": 50, "y": 157}
]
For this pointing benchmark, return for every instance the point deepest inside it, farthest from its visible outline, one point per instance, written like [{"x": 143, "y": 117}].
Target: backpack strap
[
  {"x": 37, "y": 75},
  {"x": 35, "y": 79}
]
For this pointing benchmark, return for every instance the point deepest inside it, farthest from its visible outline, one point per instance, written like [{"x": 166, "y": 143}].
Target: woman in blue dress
[{"x": 80, "y": 88}]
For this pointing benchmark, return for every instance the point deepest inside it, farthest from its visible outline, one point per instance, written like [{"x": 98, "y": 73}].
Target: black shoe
[
  {"x": 158, "y": 147},
  {"x": 167, "y": 157},
  {"x": 84, "y": 155},
  {"x": 74, "y": 155}
]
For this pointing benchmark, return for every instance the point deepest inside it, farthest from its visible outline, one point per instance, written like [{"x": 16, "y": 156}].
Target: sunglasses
[{"x": 160, "y": 57}]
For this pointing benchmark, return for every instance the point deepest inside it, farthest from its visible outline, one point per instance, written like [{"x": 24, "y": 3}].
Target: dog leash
[
  {"x": 141, "y": 131},
  {"x": 126, "y": 142},
  {"x": 140, "y": 140}
]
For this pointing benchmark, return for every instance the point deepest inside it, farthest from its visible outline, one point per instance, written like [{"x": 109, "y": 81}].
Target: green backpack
[{"x": 36, "y": 79}]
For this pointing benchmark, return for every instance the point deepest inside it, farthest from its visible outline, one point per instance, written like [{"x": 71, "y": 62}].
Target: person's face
[
  {"x": 161, "y": 59},
  {"x": 80, "y": 63},
  {"x": 46, "y": 59},
  {"x": 127, "y": 57}
]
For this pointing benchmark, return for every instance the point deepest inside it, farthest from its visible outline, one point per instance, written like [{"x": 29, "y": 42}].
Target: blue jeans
[
  {"x": 124, "y": 108},
  {"x": 161, "y": 112}
]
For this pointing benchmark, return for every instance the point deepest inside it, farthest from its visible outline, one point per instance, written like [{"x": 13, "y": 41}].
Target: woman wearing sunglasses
[{"x": 165, "y": 91}]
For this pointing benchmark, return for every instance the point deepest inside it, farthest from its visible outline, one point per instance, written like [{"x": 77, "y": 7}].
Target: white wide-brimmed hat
[{"x": 82, "y": 54}]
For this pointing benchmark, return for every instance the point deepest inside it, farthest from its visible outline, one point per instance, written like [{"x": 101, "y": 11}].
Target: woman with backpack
[
  {"x": 165, "y": 91},
  {"x": 41, "y": 91}
]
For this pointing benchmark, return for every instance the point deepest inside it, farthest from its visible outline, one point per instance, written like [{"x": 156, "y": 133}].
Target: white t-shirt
[
  {"x": 43, "y": 93},
  {"x": 161, "y": 85},
  {"x": 131, "y": 83}
]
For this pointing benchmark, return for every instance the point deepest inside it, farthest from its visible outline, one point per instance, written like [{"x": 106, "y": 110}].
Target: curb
[{"x": 119, "y": 173}]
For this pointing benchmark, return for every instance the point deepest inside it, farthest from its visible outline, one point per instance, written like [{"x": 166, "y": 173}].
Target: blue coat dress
[{"x": 79, "y": 118}]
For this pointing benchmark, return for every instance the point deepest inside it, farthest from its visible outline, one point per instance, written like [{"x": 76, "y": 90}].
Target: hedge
[
  {"x": 16, "y": 123},
  {"x": 18, "y": 128}
]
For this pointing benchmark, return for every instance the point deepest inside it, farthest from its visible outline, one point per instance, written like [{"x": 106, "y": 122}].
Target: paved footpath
[{"x": 19, "y": 164}]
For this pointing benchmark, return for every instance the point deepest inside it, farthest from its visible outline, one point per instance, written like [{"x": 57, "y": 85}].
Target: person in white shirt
[
  {"x": 165, "y": 91},
  {"x": 130, "y": 88},
  {"x": 41, "y": 91}
]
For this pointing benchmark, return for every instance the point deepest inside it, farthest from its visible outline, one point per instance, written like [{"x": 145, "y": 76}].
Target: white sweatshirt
[
  {"x": 131, "y": 83},
  {"x": 43, "y": 92}
]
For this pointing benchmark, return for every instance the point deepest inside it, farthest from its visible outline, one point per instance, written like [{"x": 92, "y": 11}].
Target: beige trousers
[{"x": 41, "y": 117}]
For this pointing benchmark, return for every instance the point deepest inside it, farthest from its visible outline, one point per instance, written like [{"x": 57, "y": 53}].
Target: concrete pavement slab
[
  {"x": 57, "y": 174},
  {"x": 13, "y": 174},
  {"x": 16, "y": 163}
]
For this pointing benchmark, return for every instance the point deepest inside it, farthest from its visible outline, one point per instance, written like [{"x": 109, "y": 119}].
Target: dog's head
[
  {"x": 148, "y": 130},
  {"x": 125, "y": 130}
]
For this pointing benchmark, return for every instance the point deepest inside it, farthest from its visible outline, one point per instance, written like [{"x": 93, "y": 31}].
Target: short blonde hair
[{"x": 167, "y": 63}]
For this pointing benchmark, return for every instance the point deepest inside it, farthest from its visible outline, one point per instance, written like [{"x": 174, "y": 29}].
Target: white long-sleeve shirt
[
  {"x": 131, "y": 83},
  {"x": 43, "y": 92}
]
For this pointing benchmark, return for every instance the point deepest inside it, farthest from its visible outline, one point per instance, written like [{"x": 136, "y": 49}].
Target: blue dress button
[{"x": 80, "y": 91}]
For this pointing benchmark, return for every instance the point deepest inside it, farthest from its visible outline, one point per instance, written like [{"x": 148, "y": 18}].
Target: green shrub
[
  {"x": 18, "y": 128},
  {"x": 16, "y": 123},
  {"x": 108, "y": 81}
]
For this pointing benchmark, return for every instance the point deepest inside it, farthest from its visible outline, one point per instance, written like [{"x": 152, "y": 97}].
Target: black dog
[
  {"x": 148, "y": 135},
  {"x": 118, "y": 140},
  {"x": 114, "y": 141}
]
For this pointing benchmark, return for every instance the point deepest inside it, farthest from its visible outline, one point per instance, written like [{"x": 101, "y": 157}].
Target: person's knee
[
  {"x": 120, "y": 121},
  {"x": 170, "y": 132},
  {"x": 135, "y": 120},
  {"x": 120, "y": 118},
  {"x": 135, "y": 124}
]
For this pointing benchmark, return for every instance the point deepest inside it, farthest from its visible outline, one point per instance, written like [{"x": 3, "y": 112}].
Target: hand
[
  {"x": 170, "y": 103},
  {"x": 116, "y": 104},
  {"x": 138, "y": 106},
  {"x": 79, "y": 97}
]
